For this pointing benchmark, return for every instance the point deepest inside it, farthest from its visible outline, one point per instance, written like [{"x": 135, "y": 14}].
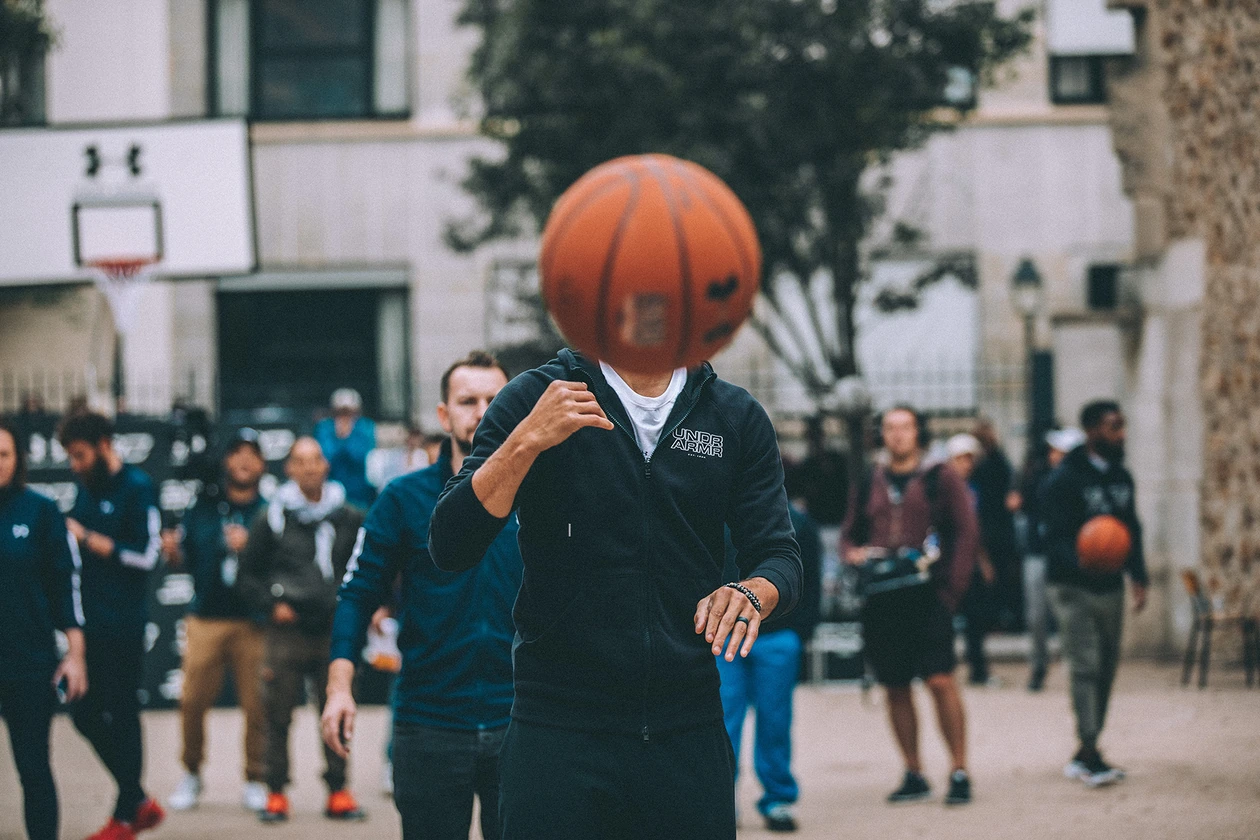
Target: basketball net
[{"x": 122, "y": 281}]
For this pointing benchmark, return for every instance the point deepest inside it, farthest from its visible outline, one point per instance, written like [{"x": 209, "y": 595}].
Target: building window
[
  {"x": 1077, "y": 80},
  {"x": 309, "y": 59},
  {"x": 24, "y": 40},
  {"x": 960, "y": 88},
  {"x": 1102, "y": 287}
]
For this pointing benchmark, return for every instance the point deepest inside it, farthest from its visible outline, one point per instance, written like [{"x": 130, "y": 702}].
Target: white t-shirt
[{"x": 648, "y": 414}]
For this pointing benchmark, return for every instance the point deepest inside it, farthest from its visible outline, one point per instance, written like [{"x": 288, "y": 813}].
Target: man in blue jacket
[
  {"x": 455, "y": 689},
  {"x": 1089, "y": 605},
  {"x": 624, "y": 484},
  {"x": 346, "y": 438},
  {"x": 116, "y": 523}
]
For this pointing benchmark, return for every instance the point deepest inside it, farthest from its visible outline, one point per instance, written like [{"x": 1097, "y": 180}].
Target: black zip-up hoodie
[
  {"x": 1075, "y": 493},
  {"x": 618, "y": 549}
]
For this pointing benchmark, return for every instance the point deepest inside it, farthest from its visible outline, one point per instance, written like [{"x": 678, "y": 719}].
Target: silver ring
[{"x": 741, "y": 618}]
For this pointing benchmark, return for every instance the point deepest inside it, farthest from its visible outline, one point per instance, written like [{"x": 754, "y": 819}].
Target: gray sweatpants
[{"x": 1090, "y": 624}]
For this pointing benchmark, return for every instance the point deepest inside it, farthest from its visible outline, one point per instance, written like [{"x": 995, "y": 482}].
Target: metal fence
[{"x": 56, "y": 390}]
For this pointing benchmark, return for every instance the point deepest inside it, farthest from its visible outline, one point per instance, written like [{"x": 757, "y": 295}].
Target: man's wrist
[
  {"x": 767, "y": 593},
  {"x": 340, "y": 676}
]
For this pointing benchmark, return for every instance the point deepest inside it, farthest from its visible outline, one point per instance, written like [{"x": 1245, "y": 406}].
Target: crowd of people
[{"x": 595, "y": 576}]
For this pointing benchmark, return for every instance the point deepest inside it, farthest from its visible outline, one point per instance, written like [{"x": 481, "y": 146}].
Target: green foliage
[{"x": 788, "y": 101}]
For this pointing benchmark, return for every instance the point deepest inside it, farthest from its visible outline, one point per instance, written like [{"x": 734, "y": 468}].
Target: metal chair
[{"x": 1206, "y": 618}]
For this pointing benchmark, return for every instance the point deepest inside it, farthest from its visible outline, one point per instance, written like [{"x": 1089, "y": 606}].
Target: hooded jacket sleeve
[
  {"x": 761, "y": 528},
  {"x": 965, "y": 539},
  {"x": 370, "y": 575},
  {"x": 1136, "y": 564},
  {"x": 461, "y": 529},
  {"x": 61, "y": 572},
  {"x": 140, "y": 538}
]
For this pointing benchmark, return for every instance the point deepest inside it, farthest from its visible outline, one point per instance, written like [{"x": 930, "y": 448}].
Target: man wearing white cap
[{"x": 346, "y": 439}]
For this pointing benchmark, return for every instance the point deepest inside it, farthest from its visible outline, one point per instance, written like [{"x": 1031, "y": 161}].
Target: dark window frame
[
  {"x": 256, "y": 52},
  {"x": 1103, "y": 291},
  {"x": 1097, "y": 94}
]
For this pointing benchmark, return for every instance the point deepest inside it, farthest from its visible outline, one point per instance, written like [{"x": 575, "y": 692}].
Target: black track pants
[
  {"x": 27, "y": 707},
  {"x": 558, "y": 784}
]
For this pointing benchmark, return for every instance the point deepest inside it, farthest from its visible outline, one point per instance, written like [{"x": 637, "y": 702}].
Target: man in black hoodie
[
  {"x": 623, "y": 484},
  {"x": 1089, "y": 605}
]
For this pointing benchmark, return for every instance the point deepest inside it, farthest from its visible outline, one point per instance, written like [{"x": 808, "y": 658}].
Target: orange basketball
[
  {"x": 649, "y": 263},
  {"x": 1103, "y": 544}
]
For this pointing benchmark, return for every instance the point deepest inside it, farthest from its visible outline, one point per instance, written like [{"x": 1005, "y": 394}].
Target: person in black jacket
[
  {"x": 293, "y": 562},
  {"x": 623, "y": 484},
  {"x": 1089, "y": 605},
  {"x": 218, "y": 631},
  {"x": 116, "y": 522},
  {"x": 39, "y": 593},
  {"x": 454, "y": 693}
]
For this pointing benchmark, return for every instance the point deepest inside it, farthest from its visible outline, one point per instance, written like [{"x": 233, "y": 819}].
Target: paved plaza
[{"x": 1193, "y": 759}]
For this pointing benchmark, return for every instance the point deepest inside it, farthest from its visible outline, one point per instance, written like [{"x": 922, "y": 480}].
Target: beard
[
  {"x": 463, "y": 447},
  {"x": 1113, "y": 452},
  {"x": 97, "y": 477},
  {"x": 241, "y": 485}
]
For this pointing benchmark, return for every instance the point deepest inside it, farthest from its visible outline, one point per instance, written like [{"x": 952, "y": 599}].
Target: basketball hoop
[{"x": 121, "y": 280}]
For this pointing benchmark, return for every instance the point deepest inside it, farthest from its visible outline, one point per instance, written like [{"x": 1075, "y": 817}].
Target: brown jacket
[{"x": 890, "y": 525}]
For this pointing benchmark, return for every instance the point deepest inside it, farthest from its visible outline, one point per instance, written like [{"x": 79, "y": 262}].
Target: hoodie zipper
[{"x": 645, "y": 731}]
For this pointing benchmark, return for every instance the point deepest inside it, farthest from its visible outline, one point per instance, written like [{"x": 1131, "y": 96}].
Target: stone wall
[{"x": 1186, "y": 118}]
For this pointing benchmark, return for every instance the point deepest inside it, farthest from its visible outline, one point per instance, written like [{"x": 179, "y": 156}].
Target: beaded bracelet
[{"x": 747, "y": 593}]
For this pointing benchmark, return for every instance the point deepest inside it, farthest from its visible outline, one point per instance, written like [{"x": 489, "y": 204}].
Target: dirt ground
[{"x": 1193, "y": 759}]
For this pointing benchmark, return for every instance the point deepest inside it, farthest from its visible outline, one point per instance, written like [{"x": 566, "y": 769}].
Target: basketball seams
[
  {"x": 610, "y": 260},
  {"x": 657, "y": 171},
  {"x": 551, "y": 242},
  {"x": 727, "y": 223}
]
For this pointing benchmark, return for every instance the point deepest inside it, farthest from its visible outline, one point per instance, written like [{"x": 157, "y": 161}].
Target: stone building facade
[{"x": 1185, "y": 119}]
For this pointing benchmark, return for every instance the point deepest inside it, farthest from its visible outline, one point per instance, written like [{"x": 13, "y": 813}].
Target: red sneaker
[
  {"x": 341, "y": 806},
  {"x": 149, "y": 814},
  {"x": 277, "y": 809},
  {"x": 114, "y": 830}
]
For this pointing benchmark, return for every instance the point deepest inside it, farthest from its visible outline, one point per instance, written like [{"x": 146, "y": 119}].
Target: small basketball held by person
[
  {"x": 1103, "y": 544},
  {"x": 649, "y": 263}
]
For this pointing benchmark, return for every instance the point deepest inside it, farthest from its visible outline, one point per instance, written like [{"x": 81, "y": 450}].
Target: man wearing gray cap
[{"x": 346, "y": 439}]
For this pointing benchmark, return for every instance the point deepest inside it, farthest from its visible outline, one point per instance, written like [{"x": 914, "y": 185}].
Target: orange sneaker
[
  {"x": 342, "y": 806},
  {"x": 277, "y": 809},
  {"x": 149, "y": 814},
  {"x": 114, "y": 830}
]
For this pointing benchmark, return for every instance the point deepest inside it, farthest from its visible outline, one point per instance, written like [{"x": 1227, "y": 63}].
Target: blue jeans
[{"x": 765, "y": 680}]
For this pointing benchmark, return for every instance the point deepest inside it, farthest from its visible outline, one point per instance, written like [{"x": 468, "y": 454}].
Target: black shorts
[{"x": 908, "y": 633}]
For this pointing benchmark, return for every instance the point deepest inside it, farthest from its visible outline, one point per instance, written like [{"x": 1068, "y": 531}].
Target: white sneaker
[
  {"x": 1075, "y": 769},
  {"x": 387, "y": 779},
  {"x": 254, "y": 796},
  {"x": 187, "y": 794}
]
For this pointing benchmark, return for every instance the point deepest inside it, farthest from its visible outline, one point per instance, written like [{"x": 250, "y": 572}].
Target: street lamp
[{"x": 1026, "y": 295}]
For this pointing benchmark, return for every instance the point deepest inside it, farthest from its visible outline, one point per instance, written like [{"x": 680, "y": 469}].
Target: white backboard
[{"x": 179, "y": 193}]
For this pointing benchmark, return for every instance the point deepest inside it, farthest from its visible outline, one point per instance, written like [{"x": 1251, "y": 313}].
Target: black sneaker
[
  {"x": 1098, "y": 773},
  {"x": 913, "y": 788},
  {"x": 959, "y": 788},
  {"x": 779, "y": 817}
]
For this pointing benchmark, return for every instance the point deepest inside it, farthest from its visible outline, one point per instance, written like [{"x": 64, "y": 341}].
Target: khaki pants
[
  {"x": 213, "y": 644},
  {"x": 291, "y": 657}
]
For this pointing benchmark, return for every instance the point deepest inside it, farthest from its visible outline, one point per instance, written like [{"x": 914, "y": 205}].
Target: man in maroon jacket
[{"x": 903, "y": 509}]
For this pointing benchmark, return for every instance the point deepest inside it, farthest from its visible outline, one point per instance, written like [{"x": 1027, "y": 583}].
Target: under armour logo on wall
[{"x": 21, "y": 532}]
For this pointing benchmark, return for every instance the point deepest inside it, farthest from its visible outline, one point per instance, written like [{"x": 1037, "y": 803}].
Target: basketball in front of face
[{"x": 649, "y": 263}]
